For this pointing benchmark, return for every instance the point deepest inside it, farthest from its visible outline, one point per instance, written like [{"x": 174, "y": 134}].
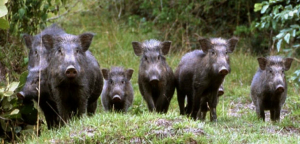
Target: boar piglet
[
  {"x": 269, "y": 87},
  {"x": 211, "y": 66},
  {"x": 156, "y": 79},
  {"x": 117, "y": 92}
]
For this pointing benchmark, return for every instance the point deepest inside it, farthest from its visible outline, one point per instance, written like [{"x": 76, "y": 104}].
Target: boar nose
[
  {"x": 223, "y": 71},
  {"x": 71, "y": 71},
  {"x": 21, "y": 95},
  {"x": 220, "y": 91},
  {"x": 116, "y": 98},
  {"x": 280, "y": 88},
  {"x": 154, "y": 80}
]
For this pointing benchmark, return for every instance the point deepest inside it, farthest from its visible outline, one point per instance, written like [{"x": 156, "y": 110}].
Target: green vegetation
[{"x": 237, "y": 121}]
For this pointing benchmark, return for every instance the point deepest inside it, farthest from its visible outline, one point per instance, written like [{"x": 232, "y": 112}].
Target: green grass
[{"x": 237, "y": 121}]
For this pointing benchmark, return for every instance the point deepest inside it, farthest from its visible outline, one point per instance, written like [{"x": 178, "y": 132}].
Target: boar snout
[
  {"x": 154, "y": 80},
  {"x": 21, "y": 95},
  {"x": 116, "y": 98},
  {"x": 223, "y": 71},
  {"x": 279, "y": 88},
  {"x": 71, "y": 72}
]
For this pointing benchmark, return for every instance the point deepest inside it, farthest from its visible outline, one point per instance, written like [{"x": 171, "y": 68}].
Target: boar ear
[
  {"x": 48, "y": 41},
  {"x": 205, "y": 44},
  {"x": 129, "y": 73},
  {"x": 86, "y": 40},
  {"x": 287, "y": 63},
  {"x": 262, "y": 63},
  {"x": 137, "y": 47},
  {"x": 28, "y": 40},
  {"x": 166, "y": 45},
  {"x": 105, "y": 73},
  {"x": 232, "y": 42}
]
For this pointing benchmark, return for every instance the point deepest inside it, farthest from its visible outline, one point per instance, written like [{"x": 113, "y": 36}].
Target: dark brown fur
[
  {"x": 117, "y": 83},
  {"x": 198, "y": 76},
  {"x": 269, "y": 87},
  {"x": 156, "y": 79}
]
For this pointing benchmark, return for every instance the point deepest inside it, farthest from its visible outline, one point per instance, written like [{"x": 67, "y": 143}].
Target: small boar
[
  {"x": 156, "y": 79},
  {"x": 268, "y": 87},
  {"x": 74, "y": 77},
  {"x": 200, "y": 74},
  {"x": 117, "y": 92}
]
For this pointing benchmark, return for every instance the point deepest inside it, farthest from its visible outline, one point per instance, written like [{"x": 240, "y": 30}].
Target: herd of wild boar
[{"x": 67, "y": 79}]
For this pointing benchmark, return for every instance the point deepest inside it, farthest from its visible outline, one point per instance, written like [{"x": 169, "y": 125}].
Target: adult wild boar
[
  {"x": 269, "y": 87},
  {"x": 74, "y": 77},
  {"x": 200, "y": 74},
  {"x": 156, "y": 79}
]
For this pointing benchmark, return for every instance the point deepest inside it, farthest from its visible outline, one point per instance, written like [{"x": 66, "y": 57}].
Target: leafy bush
[
  {"x": 14, "y": 116},
  {"x": 178, "y": 21}
]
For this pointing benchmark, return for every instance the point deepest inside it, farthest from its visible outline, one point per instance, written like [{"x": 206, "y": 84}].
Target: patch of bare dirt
[
  {"x": 168, "y": 130},
  {"x": 87, "y": 131},
  {"x": 238, "y": 110}
]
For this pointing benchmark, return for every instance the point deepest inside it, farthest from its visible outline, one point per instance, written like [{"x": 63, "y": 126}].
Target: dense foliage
[{"x": 178, "y": 21}]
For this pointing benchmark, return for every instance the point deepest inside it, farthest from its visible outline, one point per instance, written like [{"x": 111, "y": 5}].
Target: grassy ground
[{"x": 237, "y": 122}]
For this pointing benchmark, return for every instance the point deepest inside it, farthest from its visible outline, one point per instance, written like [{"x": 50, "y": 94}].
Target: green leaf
[
  {"x": 287, "y": 37},
  {"x": 3, "y": 10},
  {"x": 16, "y": 111},
  {"x": 295, "y": 26},
  {"x": 264, "y": 8},
  {"x": 23, "y": 77},
  {"x": 278, "y": 45},
  {"x": 8, "y": 93},
  {"x": 286, "y": 16},
  {"x": 296, "y": 45},
  {"x": 274, "y": 24},
  {"x": 294, "y": 33},
  {"x": 257, "y": 7},
  {"x": 280, "y": 35},
  {"x": 21, "y": 12},
  {"x": 4, "y": 24},
  {"x": 13, "y": 86}
]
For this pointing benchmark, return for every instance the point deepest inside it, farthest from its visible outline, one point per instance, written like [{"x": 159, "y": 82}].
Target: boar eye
[
  {"x": 270, "y": 71},
  {"x": 59, "y": 50},
  {"x": 110, "y": 81},
  {"x": 35, "y": 52},
  {"x": 145, "y": 58},
  {"x": 213, "y": 53},
  {"x": 123, "y": 82},
  {"x": 77, "y": 51},
  {"x": 158, "y": 58}
]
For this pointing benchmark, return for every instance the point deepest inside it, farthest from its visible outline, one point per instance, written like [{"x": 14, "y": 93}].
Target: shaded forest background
[{"x": 264, "y": 28}]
